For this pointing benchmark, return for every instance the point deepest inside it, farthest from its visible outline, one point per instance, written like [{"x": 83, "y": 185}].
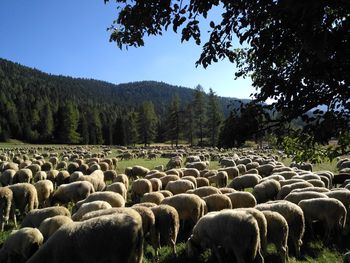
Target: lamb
[
  {"x": 187, "y": 205},
  {"x": 167, "y": 225},
  {"x": 205, "y": 191},
  {"x": 220, "y": 179},
  {"x": 242, "y": 199},
  {"x": 114, "y": 199},
  {"x": 296, "y": 197},
  {"x": 36, "y": 216},
  {"x": 139, "y": 187},
  {"x": 89, "y": 207},
  {"x": 266, "y": 190},
  {"x": 244, "y": 181},
  {"x": 6, "y": 177},
  {"x": 236, "y": 232},
  {"x": 6, "y": 207},
  {"x": 277, "y": 233},
  {"x": 119, "y": 188},
  {"x": 72, "y": 192},
  {"x": 333, "y": 220},
  {"x": 154, "y": 197},
  {"x": 21, "y": 245},
  {"x": 25, "y": 197},
  {"x": 217, "y": 202},
  {"x": 294, "y": 217},
  {"x": 123, "y": 232},
  {"x": 179, "y": 186},
  {"x": 44, "y": 190},
  {"x": 24, "y": 175},
  {"x": 285, "y": 190},
  {"x": 51, "y": 224}
]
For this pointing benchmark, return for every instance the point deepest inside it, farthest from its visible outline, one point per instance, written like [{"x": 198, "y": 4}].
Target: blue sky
[{"x": 69, "y": 37}]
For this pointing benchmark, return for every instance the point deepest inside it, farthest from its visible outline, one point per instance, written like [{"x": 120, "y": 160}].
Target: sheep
[
  {"x": 44, "y": 190},
  {"x": 21, "y": 245},
  {"x": 191, "y": 179},
  {"x": 342, "y": 195},
  {"x": 62, "y": 178},
  {"x": 155, "y": 174},
  {"x": 166, "y": 193},
  {"x": 244, "y": 181},
  {"x": 114, "y": 199},
  {"x": 251, "y": 165},
  {"x": 242, "y": 168},
  {"x": 191, "y": 172},
  {"x": 34, "y": 168},
  {"x": 110, "y": 175},
  {"x": 198, "y": 165},
  {"x": 24, "y": 196},
  {"x": 232, "y": 172},
  {"x": 287, "y": 174},
  {"x": 226, "y": 162},
  {"x": 316, "y": 182},
  {"x": 120, "y": 230},
  {"x": 114, "y": 210},
  {"x": 208, "y": 174},
  {"x": 290, "y": 181},
  {"x": 139, "y": 187},
  {"x": 118, "y": 188},
  {"x": 311, "y": 189},
  {"x": 148, "y": 219},
  {"x": 167, "y": 225},
  {"x": 235, "y": 232},
  {"x": 123, "y": 179},
  {"x": 217, "y": 202},
  {"x": 47, "y": 166},
  {"x": 277, "y": 233},
  {"x": 174, "y": 162},
  {"x": 7, "y": 209},
  {"x": 179, "y": 186},
  {"x": 220, "y": 179},
  {"x": 187, "y": 205},
  {"x": 333, "y": 220},
  {"x": 156, "y": 184},
  {"x": 50, "y": 225},
  {"x": 138, "y": 170},
  {"x": 36, "y": 216},
  {"x": 266, "y": 190},
  {"x": 51, "y": 175},
  {"x": 173, "y": 171},
  {"x": 6, "y": 177},
  {"x": 285, "y": 190},
  {"x": 96, "y": 178},
  {"x": 24, "y": 175},
  {"x": 295, "y": 218},
  {"x": 227, "y": 190},
  {"x": 296, "y": 197},
  {"x": 265, "y": 169},
  {"x": 72, "y": 192},
  {"x": 93, "y": 166},
  {"x": 168, "y": 178},
  {"x": 154, "y": 197},
  {"x": 276, "y": 177},
  {"x": 89, "y": 207},
  {"x": 205, "y": 191},
  {"x": 242, "y": 199},
  {"x": 202, "y": 181},
  {"x": 40, "y": 175}
]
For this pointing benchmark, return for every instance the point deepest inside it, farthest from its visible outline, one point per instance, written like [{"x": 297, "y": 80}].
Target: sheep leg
[
  {"x": 283, "y": 252},
  {"x": 217, "y": 253}
]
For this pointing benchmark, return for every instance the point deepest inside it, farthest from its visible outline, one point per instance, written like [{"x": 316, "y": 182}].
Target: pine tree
[
  {"x": 131, "y": 128},
  {"x": 189, "y": 125},
  {"x": 199, "y": 112},
  {"x": 215, "y": 117},
  {"x": 147, "y": 121},
  {"x": 67, "y": 124},
  {"x": 173, "y": 122}
]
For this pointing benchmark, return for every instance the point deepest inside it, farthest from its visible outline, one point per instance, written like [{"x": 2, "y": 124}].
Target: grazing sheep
[
  {"x": 311, "y": 189},
  {"x": 6, "y": 177},
  {"x": 138, "y": 188},
  {"x": 235, "y": 232},
  {"x": 119, "y": 188},
  {"x": 139, "y": 171},
  {"x": 34, "y": 167},
  {"x": 191, "y": 172},
  {"x": 25, "y": 197},
  {"x": 220, "y": 179},
  {"x": 202, "y": 181},
  {"x": 174, "y": 162},
  {"x": 154, "y": 197},
  {"x": 110, "y": 175},
  {"x": 205, "y": 191},
  {"x": 290, "y": 181},
  {"x": 50, "y": 225},
  {"x": 167, "y": 225},
  {"x": 285, "y": 190},
  {"x": 287, "y": 175},
  {"x": 89, "y": 207},
  {"x": 217, "y": 202},
  {"x": 114, "y": 199},
  {"x": 51, "y": 175},
  {"x": 62, "y": 178},
  {"x": 123, "y": 179},
  {"x": 168, "y": 178},
  {"x": 21, "y": 245},
  {"x": 72, "y": 192},
  {"x": 166, "y": 193},
  {"x": 96, "y": 178},
  {"x": 227, "y": 190},
  {"x": 187, "y": 205},
  {"x": 333, "y": 220},
  {"x": 232, "y": 172},
  {"x": 6, "y": 207},
  {"x": 294, "y": 216},
  {"x": 277, "y": 233},
  {"x": 296, "y": 197},
  {"x": 198, "y": 165},
  {"x": 179, "y": 186},
  {"x": 156, "y": 184},
  {"x": 36, "y": 216},
  {"x": 155, "y": 174},
  {"x": 244, "y": 181},
  {"x": 266, "y": 190},
  {"x": 24, "y": 175},
  {"x": 148, "y": 219},
  {"x": 120, "y": 230},
  {"x": 44, "y": 189},
  {"x": 242, "y": 199},
  {"x": 40, "y": 175},
  {"x": 191, "y": 179},
  {"x": 276, "y": 177},
  {"x": 114, "y": 210},
  {"x": 265, "y": 169},
  {"x": 343, "y": 195}
]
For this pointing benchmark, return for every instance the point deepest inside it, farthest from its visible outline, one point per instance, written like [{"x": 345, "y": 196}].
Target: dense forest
[{"x": 37, "y": 107}]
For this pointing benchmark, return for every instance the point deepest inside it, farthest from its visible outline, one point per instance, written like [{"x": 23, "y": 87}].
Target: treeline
[{"x": 36, "y": 107}]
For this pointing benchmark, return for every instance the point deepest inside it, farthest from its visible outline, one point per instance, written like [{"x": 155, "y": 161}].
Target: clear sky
[{"x": 69, "y": 37}]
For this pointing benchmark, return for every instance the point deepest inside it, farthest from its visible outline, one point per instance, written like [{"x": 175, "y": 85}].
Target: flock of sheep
[{"x": 75, "y": 207}]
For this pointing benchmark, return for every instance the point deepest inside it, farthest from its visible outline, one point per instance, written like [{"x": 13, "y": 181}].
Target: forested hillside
[{"x": 39, "y": 107}]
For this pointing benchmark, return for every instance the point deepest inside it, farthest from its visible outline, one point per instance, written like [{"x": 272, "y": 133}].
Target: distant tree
[
  {"x": 119, "y": 132},
  {"x": 83, "y": 129},
  {"x": 67, "y": 124},
  {"x": 215, "y": 117},
  {"x": 173, "y": 121},
  {"x": 131, "y": 128},
  {"x": 147, "y": 121},
  {"x": 46, "y": 124},
  {"x": 199, "y": 110},
  {"x": 95, "y": 127},
  {"x": 189, "y": 124}
]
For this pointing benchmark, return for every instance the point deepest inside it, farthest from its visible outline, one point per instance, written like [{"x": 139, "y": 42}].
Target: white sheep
[
  {"x": 119, "y": 188},
  {"x": 123, "y": 179},
  {"x": 154, "y": 197},
  {"x": 156, "y": 184},
  {"x": 179, "y": 186},
  {"x": 123, "y": 233},
  {"x": 205, "y": 191},
  {"x": 89, "y": 207},
  {"x": 296, "y": 197},
  {"x": 6, "y": 177},
  {"x": 138, "y": 188},
  {"x": 242, "y": 199},
  {"x": 220, "y": 179},
  {"x": 217, "y": 202},
  {"x": 72, "y": 192},
  {"x": 245, "y": 181},
  {"x": 266, "y": 190},
  {"x": 24, "y": 175},
  {"x": 44, "y": 190},
  {"x": 202, "y": 181},
  {"x": 25, "y": 197},
  {"x": 285, "y": 190},
  {"x": 7, "y": 209},
  {"x": 36, "y": 216},
  {"x": 50, "y": 225}
]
